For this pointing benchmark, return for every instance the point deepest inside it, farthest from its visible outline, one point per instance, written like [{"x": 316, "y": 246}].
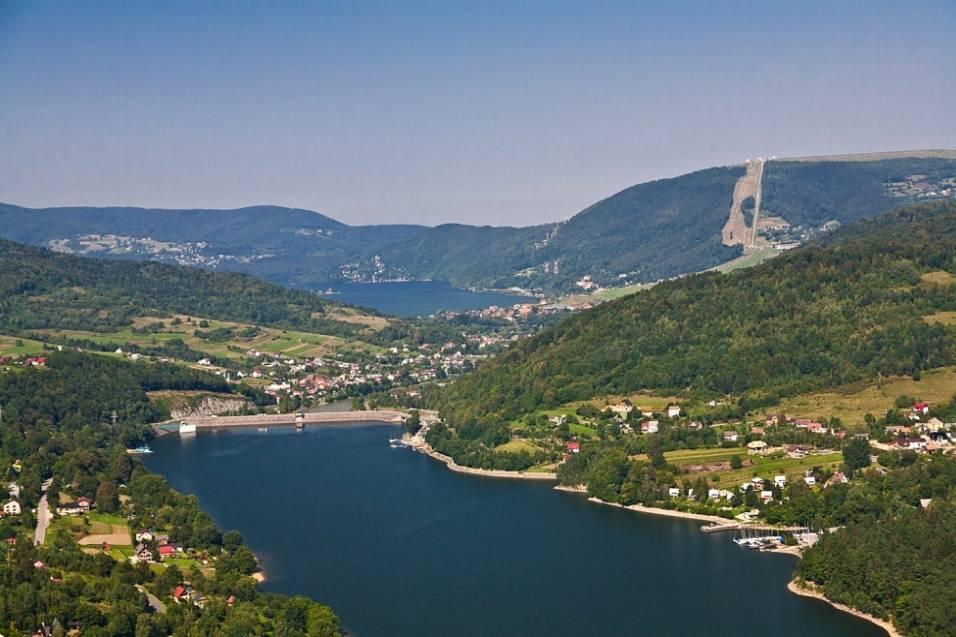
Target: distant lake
[
  {"x": 400, "y": 546},
  {"x": 419, "y": 298}
]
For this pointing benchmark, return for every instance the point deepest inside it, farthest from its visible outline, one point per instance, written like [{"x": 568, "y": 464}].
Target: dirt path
[{"x": 736, "y": 231}]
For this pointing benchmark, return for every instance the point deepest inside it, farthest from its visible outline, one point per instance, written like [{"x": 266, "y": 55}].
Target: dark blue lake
[
  {"x": 400, "y": 546},
  {"x": 419, "y": 298}
]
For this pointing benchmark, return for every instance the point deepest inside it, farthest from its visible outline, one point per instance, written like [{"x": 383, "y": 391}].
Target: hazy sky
[{"x": 481, "y": 112}]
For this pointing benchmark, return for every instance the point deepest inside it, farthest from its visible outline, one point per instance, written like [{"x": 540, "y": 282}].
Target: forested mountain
[
  {"x": 43, "y": 289},
  {"x": 843, "y": 309},
  {"x": 644, "y": 233}
]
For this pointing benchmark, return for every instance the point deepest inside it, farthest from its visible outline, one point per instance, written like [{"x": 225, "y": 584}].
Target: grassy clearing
[
  {"x": 747, "y": 260},
  {"x": 939, "y": 278},
  {"x": 106, "y": 518},
  {"x": 610, "y": 294},
  {"x": 767, "y": 468},
  {"x": 517, "y": 445},
  {"x": 851, "y": 403},
  {"x": 353, "y": 315},
  {"x": 14, "y": 346},
  {"x": 271, "y": 340},
  {"x": 947, "y": 319},
  {"x": 704, "y": 456}
]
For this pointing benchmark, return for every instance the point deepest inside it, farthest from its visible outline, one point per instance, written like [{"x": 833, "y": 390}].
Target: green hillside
[
  {"x": 842, "y": 310},
  {"x": 43, "y": 289}
]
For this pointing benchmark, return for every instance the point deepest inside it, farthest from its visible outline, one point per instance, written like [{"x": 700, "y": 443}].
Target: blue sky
[{"x": 430, "y": 112}]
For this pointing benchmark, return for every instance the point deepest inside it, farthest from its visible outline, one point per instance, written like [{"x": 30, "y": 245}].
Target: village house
[
  {"x": 623, "y": 408},
  {"x": 144, "y": 536},
  {"x": 13, "y": 490},
  {"x": 573, "y": 446},
  {"x": 673, "y": 411},
  {"x": 780, "y": 480},
  {"x": 756, "y": 447},
  {"x": 673, "y": 492},
  {"x": 731, "y": 436},
  {"x": 837, "y": 478},
  {"x": 713, "y": 494},
  {"x": 650, "y": 427},
  {"x": 11, "y": 508},
  {"x": 810, "y": 480},
  {"x": 166, "y": 551},
  {"x": 913, "y": 444},
  {"x": 142, "y": 553}
]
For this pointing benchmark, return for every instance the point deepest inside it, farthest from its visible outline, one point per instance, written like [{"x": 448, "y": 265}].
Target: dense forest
[
  {"x": 813, "y": 193},
  {"x": 896, "y": 556},
  {"x": 846, "y": 309},
  {"x": 57, "y": 425}
]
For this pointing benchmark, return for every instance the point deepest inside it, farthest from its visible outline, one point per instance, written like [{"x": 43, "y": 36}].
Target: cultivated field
[{"x": 851, "y": 403}]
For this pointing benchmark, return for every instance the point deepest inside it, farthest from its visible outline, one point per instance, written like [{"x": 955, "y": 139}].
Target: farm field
[
  {"x": 14, "y": 346},
  {"x": 852, "y": 403},
  {"x": 265, "y": 339}
]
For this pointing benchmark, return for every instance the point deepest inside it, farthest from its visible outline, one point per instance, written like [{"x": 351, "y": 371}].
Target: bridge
[{"x": 286, "y": 420}]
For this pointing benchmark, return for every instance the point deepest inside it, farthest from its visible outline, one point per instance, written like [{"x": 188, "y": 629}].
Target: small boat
[
  {"x": 186, "y": 428},
  {"x": 263, "y": 429},
  {"x": 142, "y": 449}
]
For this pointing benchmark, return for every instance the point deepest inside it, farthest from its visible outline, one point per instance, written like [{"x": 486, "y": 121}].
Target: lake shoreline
[
  {"x": 795, "y": 587},
  {"x": 640, "y": 508},
  {"x": 418, "y": 444}
]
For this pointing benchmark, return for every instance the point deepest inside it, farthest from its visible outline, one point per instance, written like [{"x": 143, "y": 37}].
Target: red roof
[
  {"x": 920, "y": 406},
  {"x": 574, "y": 445},
  {"x": 179, "y": 592},
  {"x": 167, "y": 549}
]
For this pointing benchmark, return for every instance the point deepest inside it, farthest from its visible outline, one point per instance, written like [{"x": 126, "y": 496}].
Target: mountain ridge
[{"x": 647, "y": 232}]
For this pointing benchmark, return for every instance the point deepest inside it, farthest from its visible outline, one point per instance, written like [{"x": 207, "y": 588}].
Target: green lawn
[
  {"x": 27, "y": 347},
  {"x": 767, "y": 468},
  {"x": 704, "y": 456},
  {"x": 106, "y": 518},
  {"x": 518, "y": 445},
  {"x": 747, "y": 260}
]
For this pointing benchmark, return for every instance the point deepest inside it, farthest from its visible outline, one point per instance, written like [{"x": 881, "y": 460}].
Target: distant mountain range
[{"x": 651, "y": 231}]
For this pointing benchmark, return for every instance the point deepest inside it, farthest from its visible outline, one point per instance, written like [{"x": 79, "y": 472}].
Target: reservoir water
[
  {"x": 419, "y": 298},
  {"x": 400, "y": 546}
]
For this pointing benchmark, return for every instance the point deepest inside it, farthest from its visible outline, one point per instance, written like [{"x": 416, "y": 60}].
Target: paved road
[
  {"x": 154, "y": 603},
  {"x": 43, "y": 516}
]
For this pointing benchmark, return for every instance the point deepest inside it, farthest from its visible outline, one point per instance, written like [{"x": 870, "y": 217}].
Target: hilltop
[
  {"x": 645, "y": 233},
  {"x": 858, "y": 304}
]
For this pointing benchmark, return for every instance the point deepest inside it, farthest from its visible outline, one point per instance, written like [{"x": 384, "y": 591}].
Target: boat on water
[
  {"x": 142, "y": 449},
  {"x": 186, "y": 428}
]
